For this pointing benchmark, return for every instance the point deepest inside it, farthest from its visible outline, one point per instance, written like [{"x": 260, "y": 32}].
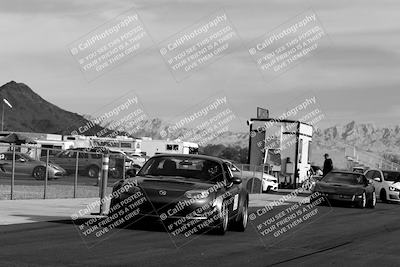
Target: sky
[{"x": 354, "y": 77}]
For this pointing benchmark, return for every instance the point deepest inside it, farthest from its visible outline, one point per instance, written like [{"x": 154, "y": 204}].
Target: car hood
[
  {"x": 394, "y": 184},
  {"x": 165, "y": 194},
  {"x": 174, "y": 187},
  {"x": 51, "y": 164},
  {"x": 334, "y": 188}
]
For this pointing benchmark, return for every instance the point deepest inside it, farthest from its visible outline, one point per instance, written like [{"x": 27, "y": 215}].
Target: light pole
[{"x": 2, "y": 114}]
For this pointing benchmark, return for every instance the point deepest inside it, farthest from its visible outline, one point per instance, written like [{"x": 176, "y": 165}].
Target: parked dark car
[
  {"x": 348, "y": 187},
  {"x": 90, "y": 161},
  {"x": 188, "y": 187}
]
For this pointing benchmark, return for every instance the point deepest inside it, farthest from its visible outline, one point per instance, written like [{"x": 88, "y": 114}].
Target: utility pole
[
  {"x": 2, "y": 117},
  {"x": 2, "y": 114}
]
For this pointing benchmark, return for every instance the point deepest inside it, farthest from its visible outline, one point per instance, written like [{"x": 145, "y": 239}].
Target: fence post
[
  {"x": 262, "y": 177},
  {"x": 46, "y": 174},
  {"x": 99, "y": 182},
  {"x": 104, "y": 170},
  {"x": 76, "y": 172},
  {"x": 123, "y": 169},
  {"x": 12, "y": 173},
  {"x": 252, "y": 182}
]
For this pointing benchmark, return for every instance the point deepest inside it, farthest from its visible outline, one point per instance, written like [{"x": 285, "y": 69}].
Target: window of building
[{"x": 171, "y": 147}]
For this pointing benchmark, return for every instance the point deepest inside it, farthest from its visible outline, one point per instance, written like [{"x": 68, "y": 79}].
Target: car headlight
[
  {"x": 198, "y": 194},
  {"x": 391, "y": 188}
]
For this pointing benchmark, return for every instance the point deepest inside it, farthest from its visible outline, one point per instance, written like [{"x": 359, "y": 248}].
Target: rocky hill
[{"x": 31, "y": 113}]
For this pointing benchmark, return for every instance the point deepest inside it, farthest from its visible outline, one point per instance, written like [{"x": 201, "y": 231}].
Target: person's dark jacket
[{"x": 328, "y": 166}]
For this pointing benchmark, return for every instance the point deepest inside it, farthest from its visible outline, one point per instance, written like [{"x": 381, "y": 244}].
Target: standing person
[{"x": 328, "y": 165}]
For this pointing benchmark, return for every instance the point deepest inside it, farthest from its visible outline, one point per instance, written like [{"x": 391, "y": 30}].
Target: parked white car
[
  {"x": 269, "y": 182},
  {"x": 386, "y": 183}
]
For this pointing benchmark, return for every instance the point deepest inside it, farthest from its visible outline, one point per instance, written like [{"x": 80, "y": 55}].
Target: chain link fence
[{"x": 31, "y": 172}]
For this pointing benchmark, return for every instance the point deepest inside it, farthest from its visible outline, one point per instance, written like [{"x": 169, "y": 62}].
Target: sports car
[
  {"x": 183, "y": 191},
  {"x": 348, "y": 187},
  {"x": 25, "y": 165}
]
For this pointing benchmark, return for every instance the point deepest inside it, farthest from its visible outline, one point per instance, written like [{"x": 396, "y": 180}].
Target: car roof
[
  {"x": 377, "y": 169},
  {"x": 10, "y": 152},
  {"x": 193, "y": 156},
  {"x": 346, "y": 172}
]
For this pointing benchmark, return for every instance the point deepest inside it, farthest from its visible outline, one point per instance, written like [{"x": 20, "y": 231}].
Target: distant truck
[{"x": 153, "y": 147}]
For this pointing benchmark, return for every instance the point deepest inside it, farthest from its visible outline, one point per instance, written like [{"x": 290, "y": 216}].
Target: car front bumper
[
  {"x": 394, "y": 196},
  {"x": 341, "y": 197},
  {"x": 53, "y": 174}
]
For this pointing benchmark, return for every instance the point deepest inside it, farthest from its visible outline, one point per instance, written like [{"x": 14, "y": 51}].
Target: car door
[
  {"x": 378, "y": 185},
  {"x": 369, "y": 175},
  {"x": 7, "y": 159},
  {"x": 6, "y": 162},
  {"x": 66, "y": 160},
  {"x": 83, "y": 161},
  {"x": 23, "y": 165},
  {"x": 233, "y": 190}
]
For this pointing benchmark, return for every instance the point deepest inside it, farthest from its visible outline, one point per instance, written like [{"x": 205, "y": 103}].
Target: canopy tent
[{"x": 17, "y": 139}]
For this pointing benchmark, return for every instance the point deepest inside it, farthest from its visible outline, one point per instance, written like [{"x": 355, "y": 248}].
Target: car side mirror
[
  {"x": 377, "y": 179},
  {"x": 370, "y": 181},
  {"x": 131, "y": 173},
  {"x": 22, "y": 160},
  {"x": 236, "y": 180}
]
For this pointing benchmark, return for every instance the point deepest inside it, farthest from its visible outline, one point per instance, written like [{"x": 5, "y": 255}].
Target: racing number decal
[{"x": 235, "y": 202}]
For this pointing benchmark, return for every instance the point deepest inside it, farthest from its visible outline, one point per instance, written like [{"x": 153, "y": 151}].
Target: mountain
[
  {"x": 31, "y": 113},
  {"x": 365, "y": 136}
]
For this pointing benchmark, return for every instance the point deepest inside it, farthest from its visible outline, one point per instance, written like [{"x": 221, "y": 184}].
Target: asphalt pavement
[{"x": 335, "y": 236}]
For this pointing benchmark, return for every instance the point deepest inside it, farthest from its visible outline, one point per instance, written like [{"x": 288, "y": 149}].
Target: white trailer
[{"x": 153, "y": 147}]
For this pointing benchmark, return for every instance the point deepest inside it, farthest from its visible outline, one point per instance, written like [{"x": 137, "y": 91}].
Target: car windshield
[
  {"x": 391, "y": 176},
  {"x": 315, "y": 168},
  {"x": 26, "y": 157},
  {"x": 18, "y": 156},
  {"x": 183, "y": 168},
  {"x": 344, "y": 178}
]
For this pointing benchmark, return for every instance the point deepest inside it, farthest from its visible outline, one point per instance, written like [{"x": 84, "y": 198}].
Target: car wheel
[
  {"x": 93, "y": 171},
  {"x": 223, "y": 220},
  {"x": 363, "y": 202},
  {"x": 372, "y": 201},
  {"x": 39, "y": 173},
  {"x": 241, "y": 224},
  {"x": 382, "y": 196},
  {"x": 266, "y": 190}
]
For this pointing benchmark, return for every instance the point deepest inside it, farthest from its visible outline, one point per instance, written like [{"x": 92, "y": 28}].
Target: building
[{"x": 290, "y": 139}]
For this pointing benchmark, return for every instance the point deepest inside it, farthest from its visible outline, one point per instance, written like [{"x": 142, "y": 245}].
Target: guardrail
[{"x": 358, "y": 156}]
